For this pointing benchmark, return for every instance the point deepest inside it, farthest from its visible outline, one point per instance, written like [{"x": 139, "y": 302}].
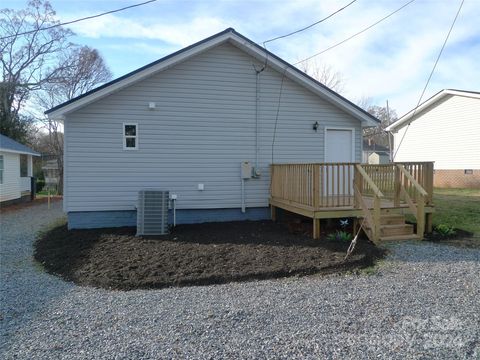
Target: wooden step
[
  {"x": 400, "y": 237},
  {"x": 392, "y": 219},
  {"x": 397, "y": 229}
]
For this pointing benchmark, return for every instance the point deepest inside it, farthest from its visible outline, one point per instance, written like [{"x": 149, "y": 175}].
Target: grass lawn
[{"x": 459, "y": 208}]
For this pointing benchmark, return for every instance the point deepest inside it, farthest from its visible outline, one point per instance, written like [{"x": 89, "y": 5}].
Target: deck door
[{"x": 339, "y": 148}]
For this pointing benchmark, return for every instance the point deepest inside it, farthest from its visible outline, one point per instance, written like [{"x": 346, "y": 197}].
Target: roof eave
[
  {"x": 236, "y": 39},
  {"x": 20, "y": 152},
  {"x": 429, "y": 102}
]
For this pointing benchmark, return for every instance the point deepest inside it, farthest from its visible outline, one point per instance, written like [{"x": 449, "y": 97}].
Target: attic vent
[{"x": 152, "y": 212}]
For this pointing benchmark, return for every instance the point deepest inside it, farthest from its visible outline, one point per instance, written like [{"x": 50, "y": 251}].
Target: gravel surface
[{"x": 422, "y": 302}]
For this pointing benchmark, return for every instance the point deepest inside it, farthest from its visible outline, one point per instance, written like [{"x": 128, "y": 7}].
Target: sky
[{"x": 391, "y": 61}]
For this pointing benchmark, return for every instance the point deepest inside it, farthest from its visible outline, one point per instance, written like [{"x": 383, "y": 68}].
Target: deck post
[
  {"x": 429, "y": 222},
  {"x": 316, "y": 229},
  {"x": 376, "y": 218},
  {"x": 316, "y": 186},
  {"x": 397, "y": 187},
  {"x": 429, "y": 182},
  {"x": 357, "y": 181},
  {"x": 273, "y": 213},
  {"x": 420, "y": 215},
  {"x": 355, "y": 226}
]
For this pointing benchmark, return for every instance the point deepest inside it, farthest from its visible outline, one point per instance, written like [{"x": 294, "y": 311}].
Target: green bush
[
  {"x": 445, "y": 230},
  {"x": 40, "y": 185},
  {"x": 340, "y": 236}
]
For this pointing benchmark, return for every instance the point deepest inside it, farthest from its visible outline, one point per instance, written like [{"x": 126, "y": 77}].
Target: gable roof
[
  {"x": 10, "y": 145},
  {"x": 234, "y": 38},
  {"x": 412, "y": 114}
]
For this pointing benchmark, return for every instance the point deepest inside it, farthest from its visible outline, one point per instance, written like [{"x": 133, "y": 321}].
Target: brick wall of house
[{"x": 456, "y": 179}]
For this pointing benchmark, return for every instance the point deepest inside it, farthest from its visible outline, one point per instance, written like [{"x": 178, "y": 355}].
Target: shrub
[
  {"x": 445, "y": 230},
  {"x": 340, "y": 236},
  {"x": 40, "y": 185}
]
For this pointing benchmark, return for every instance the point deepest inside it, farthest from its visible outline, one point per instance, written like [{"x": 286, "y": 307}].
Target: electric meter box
[{"x": 246, "y": 170}]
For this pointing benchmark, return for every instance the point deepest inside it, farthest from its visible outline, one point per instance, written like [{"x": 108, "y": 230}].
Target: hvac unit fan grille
[{"x": 152, "y": 212}]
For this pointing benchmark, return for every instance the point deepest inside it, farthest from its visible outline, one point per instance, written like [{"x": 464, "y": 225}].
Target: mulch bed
[
  {"x": 460, "y": 238},
  {"x": 199, "y": 254}
]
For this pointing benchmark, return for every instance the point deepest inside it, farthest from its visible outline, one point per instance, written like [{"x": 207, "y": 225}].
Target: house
[
  {"x": 374, "y": 153},
  {"x": 204, "y": 123},
  {"x": 444, "y": 129},
  {"x": 15, "y": 171}
]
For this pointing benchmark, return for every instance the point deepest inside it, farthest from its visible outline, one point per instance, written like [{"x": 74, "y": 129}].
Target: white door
[
  {"x": 339, "y": 145},
  {"x": 339, "y": 148}
]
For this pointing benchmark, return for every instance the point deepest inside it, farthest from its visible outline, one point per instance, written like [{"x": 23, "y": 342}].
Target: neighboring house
[
  {"x": 185, "y": 124},
  {"x": 15, "y": 170},
  {"x": 444, "y": 129},
  {"x": 374, "y": 153}
]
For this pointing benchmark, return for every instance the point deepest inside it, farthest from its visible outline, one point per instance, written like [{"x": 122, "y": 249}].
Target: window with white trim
[
  {"x": 1, "y": 169},
  {"x": 130, "y": 136}
]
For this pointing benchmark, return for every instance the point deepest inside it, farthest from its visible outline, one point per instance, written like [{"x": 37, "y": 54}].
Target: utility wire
[
  {"x": 356, "y": 34},
  {"x": 429, "y": 77},
  {"x": 309, "y": 26},
  {"x": 78, "y": 20},
  {"x": 274, "y": 137}
]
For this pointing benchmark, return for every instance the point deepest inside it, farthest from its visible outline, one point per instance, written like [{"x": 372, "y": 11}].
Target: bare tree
[
  {"x": 378, "y": 135},
  {"x": 325, "y": 74},
  {"x": 82, "y": 69},
  {"x": 28, "y": 54}
]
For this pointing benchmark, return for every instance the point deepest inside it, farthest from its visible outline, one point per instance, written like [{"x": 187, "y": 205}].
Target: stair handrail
[
  {"x": 414, "y": 182},
  {"x": 369, "y": 181},
  {"x": 418, "y": 210},
  {"x": 367, "y": 214},
  {"x": 378, "y": 196}
]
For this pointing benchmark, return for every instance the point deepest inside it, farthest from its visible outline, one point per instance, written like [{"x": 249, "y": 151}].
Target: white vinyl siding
[
  {"x": 447, "y": 132},
  {"x": 1, "y": 169},
  {"x": 202, "y": 128},
  {"x": 10, "y": 186}
]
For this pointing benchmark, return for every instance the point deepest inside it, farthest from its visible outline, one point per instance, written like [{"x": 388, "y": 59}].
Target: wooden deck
[{"x": 369, "y": 192}]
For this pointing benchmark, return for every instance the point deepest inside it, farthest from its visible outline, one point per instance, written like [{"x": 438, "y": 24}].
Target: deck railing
[
  {"x": 315, "y": 186},
  {"x": 369, "y": 188},
  {"x": 331, "y": 185},
  {"x": 389, "y": 179}
]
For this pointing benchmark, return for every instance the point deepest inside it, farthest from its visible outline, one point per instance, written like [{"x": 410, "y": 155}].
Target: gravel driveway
[{"x": 423, "y": 302}]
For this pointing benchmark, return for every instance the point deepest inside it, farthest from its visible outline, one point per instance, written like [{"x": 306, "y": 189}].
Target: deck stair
[{"x": 393, "y": 227}]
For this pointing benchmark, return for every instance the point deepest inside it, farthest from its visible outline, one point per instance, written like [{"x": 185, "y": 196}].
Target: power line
[
  {"x": 309, "y": 26},
  {"x": 274, "y": 137},
  {"x": 356, "y": 34},
  {"x": 429, "y": 77},
  {"x": 78, "y": 20}
]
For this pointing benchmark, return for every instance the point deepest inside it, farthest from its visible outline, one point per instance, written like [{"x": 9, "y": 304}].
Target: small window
[
  {"x": 1, "y": 169},
  {"x": 130, "y": 136},
  {"x": 468, "y": 172},
  {"x": 23, "y": 165}
]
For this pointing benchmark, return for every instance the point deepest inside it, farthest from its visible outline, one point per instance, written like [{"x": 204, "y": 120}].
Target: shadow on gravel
[{"x": 199, "y": 254}]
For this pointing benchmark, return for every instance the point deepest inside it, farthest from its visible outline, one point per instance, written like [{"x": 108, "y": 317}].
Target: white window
[
  {"x": 1, "y": 169},
  {"x": 130, "y": 136}
]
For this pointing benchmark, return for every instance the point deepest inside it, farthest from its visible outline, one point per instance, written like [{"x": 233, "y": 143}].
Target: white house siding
[
  {"x": 10, "y": 188},
  {"x": 448, "y": 133},
  {"x": 202, "y": 128}
]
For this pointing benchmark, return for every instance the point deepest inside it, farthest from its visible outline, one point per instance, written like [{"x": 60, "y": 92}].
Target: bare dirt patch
[{"x": 198, "y": 254}]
